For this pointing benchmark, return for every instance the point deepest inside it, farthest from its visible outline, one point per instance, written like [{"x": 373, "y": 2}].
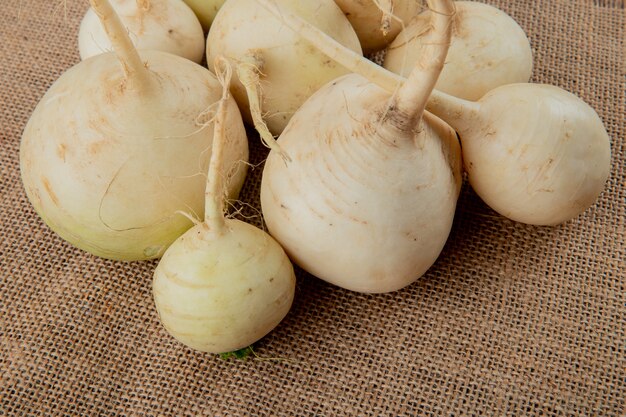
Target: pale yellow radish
[{"x": 113, "y": 156}]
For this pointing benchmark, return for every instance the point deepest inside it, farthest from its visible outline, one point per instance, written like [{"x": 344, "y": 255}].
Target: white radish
[
  {"x": 162, "y": 25},
  {"x": 488, "y": 49},
  {"x": 113, "y": 156},
  {"x": 535, "y": 153},
  {"x": 276, "y": 70},
  {"x": 378, "y": 22},
  {"x": 224, "y": 284},
  {"x": 205, "y": 10},
  {"x": 368, "y": 198}
]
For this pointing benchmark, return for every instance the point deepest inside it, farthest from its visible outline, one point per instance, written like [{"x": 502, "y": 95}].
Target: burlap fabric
[{"x": 512, "y": 320}]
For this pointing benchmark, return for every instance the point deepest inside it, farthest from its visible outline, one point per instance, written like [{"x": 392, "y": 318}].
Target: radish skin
[
  {"x": 565, "y": 147},
  {"x": 488, "y": 49},
  {"x": 378, "y": 22},
  {"x": 163, "y": 25},
  {"x": 224, "y": 284},
  {"x": 113, "y": 155},
  {"x": 368, "y": 198}
]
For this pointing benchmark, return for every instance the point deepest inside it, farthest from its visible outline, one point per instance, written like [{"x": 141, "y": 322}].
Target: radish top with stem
[
  {"x": 534, "y": 152},
  {"x": 115, "y": 150},
  {"x": 163, "y": 25},
  {"x": 224, "y": 284},
  {"x": 368, "y": 198},
  {"x": 488, "y": 49}
]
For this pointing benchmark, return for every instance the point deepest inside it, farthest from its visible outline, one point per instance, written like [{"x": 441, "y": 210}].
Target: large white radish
[
  {"x": 378, "y": 22},
  {"x": 224, "y": 284},
  {"x": 162, "y": 25},
  {"x": 277, "y": 70},
  {"x": 367, "y": 200},
  {"x": 488, "y": 49},
  {"x": 534, "y": 152},
  {"x": 113, "y": 156}
]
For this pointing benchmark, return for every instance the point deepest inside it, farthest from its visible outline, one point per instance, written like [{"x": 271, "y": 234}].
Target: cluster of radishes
[{"x": 131, "y": 155}]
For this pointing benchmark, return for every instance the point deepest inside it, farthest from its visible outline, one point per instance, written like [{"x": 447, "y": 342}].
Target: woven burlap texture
[{"x": 512, "y": 320}]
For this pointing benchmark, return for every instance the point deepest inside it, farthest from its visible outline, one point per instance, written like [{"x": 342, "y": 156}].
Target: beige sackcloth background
[{"x": 512, "y": 320}]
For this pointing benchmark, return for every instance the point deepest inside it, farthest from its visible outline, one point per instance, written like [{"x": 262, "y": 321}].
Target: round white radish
[
  {"x": 224, "y": 284},
  {"x": 113, "y": 156},
  {"x": 163, "y": 25},
  {"x": 288, "y": 68},
  {"x": 367, "y": 199},
  {"x": 222, "y": 291},
  {"x": 534, "y": 153},
  {"x": 488, "y": 49},
  {"x": 205, "y": 10},
  {"x": 378, "y": 22}
]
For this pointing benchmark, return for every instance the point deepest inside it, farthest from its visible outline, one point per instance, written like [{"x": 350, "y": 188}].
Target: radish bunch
[
  {"x": 132, "y": 154},
  {"x": 535, "y": 153}
]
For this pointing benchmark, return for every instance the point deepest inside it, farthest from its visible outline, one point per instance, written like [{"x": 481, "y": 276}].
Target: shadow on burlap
[{"x": 512, "y": 319}]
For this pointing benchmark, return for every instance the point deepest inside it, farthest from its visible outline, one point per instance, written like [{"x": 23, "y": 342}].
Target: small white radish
[
  {"x": 488, "y": 49},
  {"x": 224, "y": 284},
  {"x": 162, "y": 25},
  {"x": 535, "y": 153},
  {"x": 368, "y": 198},
  {"x": 117, "y": 147},
  {"x": 378, "y": 22},
  {"x": 205, "y": 10},
  {"x": 276, "y": 69}
]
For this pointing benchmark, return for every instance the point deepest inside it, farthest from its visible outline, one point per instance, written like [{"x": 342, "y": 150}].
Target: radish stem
[
  {"x": 386, "y": 7},
  {"x": 132, "y": 65},
  {"x": 457, "y": 112},
  {"x": 413, "y": 95},
  {"x": 249, "y": 71},
  {"x": 214, "y": 192}
]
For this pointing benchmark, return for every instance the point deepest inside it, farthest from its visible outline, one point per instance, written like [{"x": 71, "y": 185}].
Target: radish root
[
  {"x": 249, "y": 72},
  {"x": 215, "y": 192}
]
